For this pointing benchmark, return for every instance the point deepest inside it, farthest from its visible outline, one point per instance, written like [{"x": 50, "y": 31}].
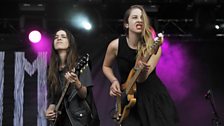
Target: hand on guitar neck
[
  {"x": 143, "y": 63},
  {"x": 145, "y": 69},
  {"x": 50, "y": 113}
]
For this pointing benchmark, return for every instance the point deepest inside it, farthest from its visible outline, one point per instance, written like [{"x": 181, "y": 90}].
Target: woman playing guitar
[
  {"x": 148, "y": 101},
  {"x": 69, "y": 84}
]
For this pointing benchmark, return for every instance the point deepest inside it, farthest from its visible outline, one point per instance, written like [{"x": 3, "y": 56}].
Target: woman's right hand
[
  {"x": 115, "y": 89},
  {"x": 50, "y": 113}
]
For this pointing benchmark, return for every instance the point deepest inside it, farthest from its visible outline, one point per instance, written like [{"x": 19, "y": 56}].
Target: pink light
[{"x": 35, "y": 36}]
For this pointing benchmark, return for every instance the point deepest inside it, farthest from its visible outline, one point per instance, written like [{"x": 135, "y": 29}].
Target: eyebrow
[
  {"x": 136, "y": 15},
  {"x": 61, "y": 35}
]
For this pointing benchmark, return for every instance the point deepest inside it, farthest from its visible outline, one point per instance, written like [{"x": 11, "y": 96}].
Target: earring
[{"x": 126, "y": 25}]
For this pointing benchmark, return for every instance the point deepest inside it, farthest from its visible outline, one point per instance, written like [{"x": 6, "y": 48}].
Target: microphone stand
[{"x": 216, "y": 119}]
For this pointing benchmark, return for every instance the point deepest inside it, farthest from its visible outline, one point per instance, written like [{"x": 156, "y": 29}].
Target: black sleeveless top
[{"x": 125, "y": 58}]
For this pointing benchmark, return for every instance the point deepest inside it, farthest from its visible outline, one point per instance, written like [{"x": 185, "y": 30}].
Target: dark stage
[{"x": 191, "y": 66}]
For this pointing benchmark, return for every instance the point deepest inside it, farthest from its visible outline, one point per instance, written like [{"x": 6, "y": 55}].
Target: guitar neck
[
  {"x": 132, "y": 81},
  {"x": 62, "y": 96},
  {"x": 151, "y": 51}
]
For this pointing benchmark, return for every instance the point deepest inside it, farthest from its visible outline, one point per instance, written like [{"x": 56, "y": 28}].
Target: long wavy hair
[
  {"x": 71, "y": 58},
  {"x": 146, "y": 37}
]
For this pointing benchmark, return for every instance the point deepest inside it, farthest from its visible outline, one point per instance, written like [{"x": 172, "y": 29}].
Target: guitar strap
[{"x": 71, "y": 95}]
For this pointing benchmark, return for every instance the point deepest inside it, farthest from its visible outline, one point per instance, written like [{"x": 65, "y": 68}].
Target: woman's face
[
  {"x": 135, "y": 21},
  {"x": 61, "y": 40}
]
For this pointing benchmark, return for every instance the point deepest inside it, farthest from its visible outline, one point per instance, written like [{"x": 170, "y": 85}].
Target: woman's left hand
[
  {"x": 145, "y": 66},
  {"x": 72, "y": 78}
]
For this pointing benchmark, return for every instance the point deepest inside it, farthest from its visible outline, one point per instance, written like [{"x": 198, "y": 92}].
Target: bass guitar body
[{"x": 126, "y": 101}]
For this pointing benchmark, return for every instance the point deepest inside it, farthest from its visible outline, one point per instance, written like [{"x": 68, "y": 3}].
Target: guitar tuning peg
[
  {"x": 160, "y": 35},
  {"x": 156, "y": 39}
]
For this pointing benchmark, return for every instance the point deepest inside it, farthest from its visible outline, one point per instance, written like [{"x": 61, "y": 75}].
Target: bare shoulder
[
  {"x": 113, "y": 47},
  {"x": 113, "y": 44}
]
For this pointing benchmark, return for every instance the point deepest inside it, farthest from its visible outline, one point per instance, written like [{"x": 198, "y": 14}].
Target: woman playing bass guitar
[{"x": 154, "y": 106}]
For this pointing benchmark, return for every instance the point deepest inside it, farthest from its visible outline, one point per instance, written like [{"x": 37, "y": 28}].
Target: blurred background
[{"x": 191, "y": 66}]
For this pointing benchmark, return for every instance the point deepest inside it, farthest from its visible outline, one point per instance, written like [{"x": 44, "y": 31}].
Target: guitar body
[
  {"x": 126, "y": 84},
  {"x": 124, "y": 109},
  {"x": 126, "y": 101}
]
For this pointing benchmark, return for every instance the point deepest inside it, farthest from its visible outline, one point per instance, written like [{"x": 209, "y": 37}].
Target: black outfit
[
  {"x": 75, "y": 111},
  {"x": 154, "y": 106}
]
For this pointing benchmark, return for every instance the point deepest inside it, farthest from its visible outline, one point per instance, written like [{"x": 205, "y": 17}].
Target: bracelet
[
  {"x": 113, "y": 81},
  {"x": 79, "y": 88}
]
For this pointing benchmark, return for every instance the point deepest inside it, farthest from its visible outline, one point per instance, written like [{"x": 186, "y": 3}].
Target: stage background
[{"x": 191, "y": 63}]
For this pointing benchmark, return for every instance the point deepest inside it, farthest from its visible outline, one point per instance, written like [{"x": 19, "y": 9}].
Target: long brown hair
[
  {"x": 72, "y": 55},
  {"x": 146, "y": 35}
]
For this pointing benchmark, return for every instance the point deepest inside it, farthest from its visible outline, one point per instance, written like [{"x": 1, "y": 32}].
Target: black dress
[{"x": 154, "y": 106}]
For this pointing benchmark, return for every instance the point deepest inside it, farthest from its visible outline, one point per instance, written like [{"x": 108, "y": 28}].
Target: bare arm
[
  {"x": 110, "y": 56},
  {"x": 82, "y": 90}
]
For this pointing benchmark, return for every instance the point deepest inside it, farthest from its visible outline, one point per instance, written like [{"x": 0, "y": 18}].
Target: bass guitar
[
  {"x": 127, "y": 99},
  {"x": 82, "y": 62}
]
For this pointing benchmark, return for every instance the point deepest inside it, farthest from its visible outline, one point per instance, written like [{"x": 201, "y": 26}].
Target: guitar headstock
[
  {"x": 157, "y": 43},
  {"x": 81, "y": 64}
]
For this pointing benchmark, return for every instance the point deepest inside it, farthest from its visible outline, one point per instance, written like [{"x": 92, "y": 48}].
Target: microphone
[{"x": 208, "y": 94}]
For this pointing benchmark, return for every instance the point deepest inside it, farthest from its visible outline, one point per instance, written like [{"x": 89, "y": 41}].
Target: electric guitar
[
  {"x": 127, "y": 99},
  {"x": 82, "y": 62}
]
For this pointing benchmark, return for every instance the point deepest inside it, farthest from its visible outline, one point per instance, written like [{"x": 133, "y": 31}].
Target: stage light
[
  {"x": 217, "y": 27},
  {"x": 81, "y": 21},
  {"x": 34, "y": 36},
  {"x": 86, "y": 25}
]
